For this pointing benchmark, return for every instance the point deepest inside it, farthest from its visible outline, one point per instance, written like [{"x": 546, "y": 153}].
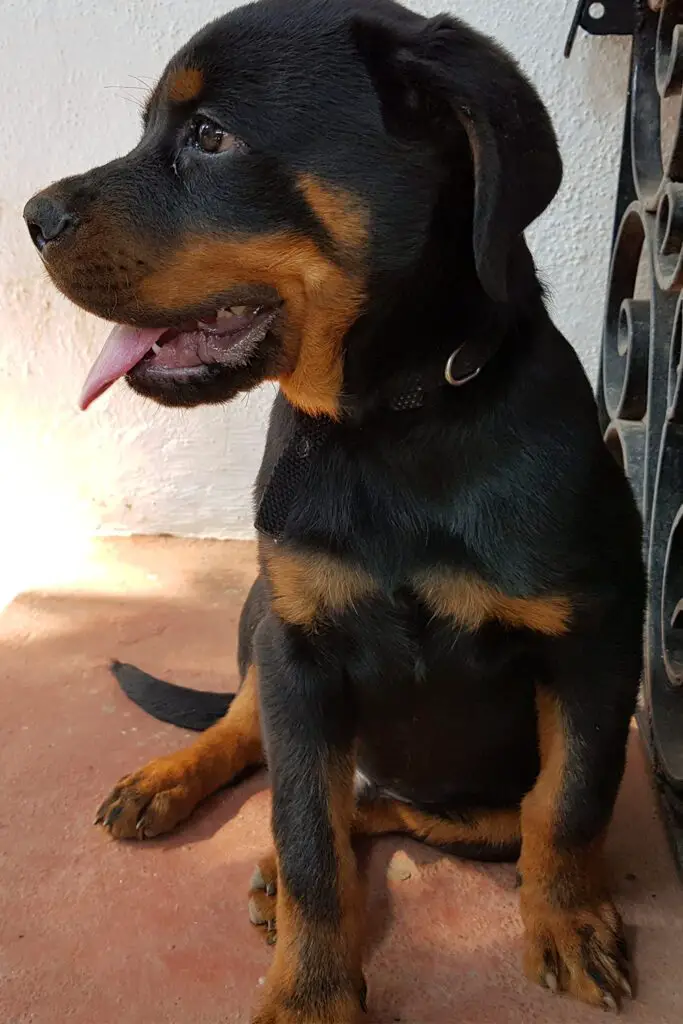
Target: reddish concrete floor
[{"x": 95, "y": 932}]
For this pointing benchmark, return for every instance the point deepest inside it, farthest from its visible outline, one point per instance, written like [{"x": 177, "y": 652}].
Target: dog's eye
[{"x": 211, "y": 138}]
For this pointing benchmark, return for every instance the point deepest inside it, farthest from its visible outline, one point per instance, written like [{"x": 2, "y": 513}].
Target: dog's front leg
[
  {"x": 316, "y": 977},
  {"x": 574, "y": 938}
]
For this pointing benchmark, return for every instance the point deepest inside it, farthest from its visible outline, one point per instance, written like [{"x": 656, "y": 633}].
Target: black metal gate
[{"x": 640, "y": 391}]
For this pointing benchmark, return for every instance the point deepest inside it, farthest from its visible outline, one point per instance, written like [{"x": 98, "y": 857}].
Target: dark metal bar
[{"x": 640, "y": 390}]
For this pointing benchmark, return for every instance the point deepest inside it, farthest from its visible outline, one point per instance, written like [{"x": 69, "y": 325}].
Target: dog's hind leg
[
  {"x": 488, "y": 835},
  {"x": 491, "y": 835},
  {"x": 156, "y": 798}
]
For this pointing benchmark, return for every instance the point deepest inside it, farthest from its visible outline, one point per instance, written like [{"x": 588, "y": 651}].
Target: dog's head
[{"x": 296, "y": 160}]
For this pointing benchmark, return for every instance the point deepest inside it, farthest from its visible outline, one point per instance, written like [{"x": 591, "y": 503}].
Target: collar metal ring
[{"x": 457, "y": 382}]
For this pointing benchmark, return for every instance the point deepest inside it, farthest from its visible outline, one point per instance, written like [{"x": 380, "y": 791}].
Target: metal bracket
[{"x": 603, "y": 18}]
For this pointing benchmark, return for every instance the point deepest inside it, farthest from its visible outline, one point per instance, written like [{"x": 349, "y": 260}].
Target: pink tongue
[{"x": 123, "y": 349}]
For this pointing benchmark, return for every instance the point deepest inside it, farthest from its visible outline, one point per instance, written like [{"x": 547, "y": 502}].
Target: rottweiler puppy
[{"x": 445, "y": 636}]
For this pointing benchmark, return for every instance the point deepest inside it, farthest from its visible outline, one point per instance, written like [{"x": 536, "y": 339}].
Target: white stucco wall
[{"x": 72, "y": 73}]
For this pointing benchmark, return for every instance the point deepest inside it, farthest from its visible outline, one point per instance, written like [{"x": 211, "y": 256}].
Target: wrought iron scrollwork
[{"x": 640, "y": 391}]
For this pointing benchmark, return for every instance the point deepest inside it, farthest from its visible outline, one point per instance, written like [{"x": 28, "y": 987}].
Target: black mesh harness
[{"x": 291, "y": 471}]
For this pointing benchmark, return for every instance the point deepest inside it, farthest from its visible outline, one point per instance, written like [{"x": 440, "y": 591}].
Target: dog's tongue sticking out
[
  {"x": 123, "y": 349},
  {"x": 225, "y": 339}
]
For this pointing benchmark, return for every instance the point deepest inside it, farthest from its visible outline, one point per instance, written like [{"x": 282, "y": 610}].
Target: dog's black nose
[{"x": 47, "y": 218}]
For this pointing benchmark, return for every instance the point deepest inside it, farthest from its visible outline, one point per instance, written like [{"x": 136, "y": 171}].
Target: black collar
[
  {"x": 462, "y": 366},
  {"x": 291, "y": 470}
]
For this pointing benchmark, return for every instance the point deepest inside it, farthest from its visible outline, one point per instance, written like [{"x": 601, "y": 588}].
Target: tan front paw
[
  {"x": 580, "y": 951},
  {"x": 288, "y": 1010},
  {"x": 295, "y": 995},
  {"x": 152, "y": 800}
]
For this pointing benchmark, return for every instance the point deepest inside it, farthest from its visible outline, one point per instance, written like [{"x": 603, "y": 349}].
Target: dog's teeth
[
  {"x": 156, "y": 349},
  {"x": 224, "y": 314},
  {"x": 238, "y": 310},
  {"x": 205, "y": 326}
]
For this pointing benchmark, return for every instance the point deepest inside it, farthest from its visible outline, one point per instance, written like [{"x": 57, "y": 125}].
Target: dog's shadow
[
  {"x": 215, "y": 812},
  {"x": 384, "y": 862},
  {"x": 380, "y": 870},
  {"x": 387, "y": 862}
]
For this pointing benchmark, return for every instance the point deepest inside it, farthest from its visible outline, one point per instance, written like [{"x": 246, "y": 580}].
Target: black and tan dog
[{"x": 445, "y": 635}]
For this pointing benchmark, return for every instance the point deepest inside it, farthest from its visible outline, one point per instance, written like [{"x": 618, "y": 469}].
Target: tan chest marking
[
  {"x": 471, "y": 601},
  {"x": 308, "y": 587}
]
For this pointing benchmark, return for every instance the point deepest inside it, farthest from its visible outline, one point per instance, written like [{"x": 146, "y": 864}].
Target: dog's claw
[
  {"x": 257, "y": 880},
  {"x": 610, "y": 1003},
  {"x": 551, "y": 981},
  {"x": 626, "y": 987},
  {"x": 113, "y": 814}
]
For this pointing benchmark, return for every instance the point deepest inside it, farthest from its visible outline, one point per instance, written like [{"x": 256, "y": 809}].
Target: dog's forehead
[
  {"x": 273, "y": 78},
  {"x": 263, "y": 45},
  {"x": 266, "y": 48}
]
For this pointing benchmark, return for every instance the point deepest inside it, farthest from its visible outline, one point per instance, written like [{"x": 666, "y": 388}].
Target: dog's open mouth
[{"x": 225, "y": 338}]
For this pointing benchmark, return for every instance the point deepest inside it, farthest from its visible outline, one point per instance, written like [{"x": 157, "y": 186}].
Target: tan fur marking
[
  {"x": 168, "y": 788},
  {"x": 185, "y": 85},
  {"x": 472, "y": 602},
  {"x": 541, "y": 805},
  {"x": 308, "y": 586},
  {"x": 321, "y": 302},
  {"x": 339, "y": 211},
  {"x": 499, "y": 828},
  {"x": 541, "y": 859},
  {"x": 342, "y": 807},
  {"x": 495, "y": 828},
  {"x": 571, "y": 925}
]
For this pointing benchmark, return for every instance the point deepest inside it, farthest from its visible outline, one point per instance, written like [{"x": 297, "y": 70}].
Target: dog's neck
[
  {"x": 415, "y": 326},
  {"x": 398, "y": 362}
]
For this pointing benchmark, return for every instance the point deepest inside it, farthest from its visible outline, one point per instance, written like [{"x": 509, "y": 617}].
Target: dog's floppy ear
[{"x": 434, "y": 77}]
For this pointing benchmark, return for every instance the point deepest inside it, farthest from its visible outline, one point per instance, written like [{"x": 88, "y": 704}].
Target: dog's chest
[{"x": 310, "y": 588}]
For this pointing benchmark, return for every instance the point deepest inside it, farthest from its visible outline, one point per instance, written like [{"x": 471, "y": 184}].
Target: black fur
[{"x": 177, "y": 705}]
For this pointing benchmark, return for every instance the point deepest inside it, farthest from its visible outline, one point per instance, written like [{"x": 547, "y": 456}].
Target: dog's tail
[{"x": 178, "y": 705}]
